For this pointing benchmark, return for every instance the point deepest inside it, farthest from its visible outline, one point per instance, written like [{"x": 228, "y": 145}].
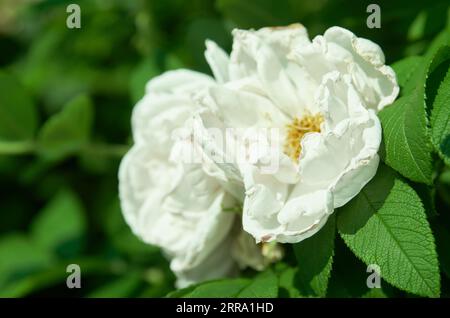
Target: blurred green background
[{"x": 73, "y": 91}]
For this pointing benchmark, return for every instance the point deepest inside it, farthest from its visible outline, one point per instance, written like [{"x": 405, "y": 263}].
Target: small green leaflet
[
  {"x": 315, "y": 257},
  {"x": 122, "y": 287},
  {"x": 440, "y": 114},
  {"x": 407, "y": 148},
  {"x": 437, "y": 69},
  {"x": 407, "y": 138},
  {"x": 287, "y": 281},
  {"x": 442, "y": 235},
  {"x": 386, "y": 225}
]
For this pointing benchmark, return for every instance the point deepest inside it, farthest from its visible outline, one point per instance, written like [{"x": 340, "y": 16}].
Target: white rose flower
[
  {"x": 178, "y": 206},
  {"x": 322, "y": 96}
]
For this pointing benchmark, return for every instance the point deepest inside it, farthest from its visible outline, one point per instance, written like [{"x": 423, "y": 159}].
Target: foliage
[{"x": 66, "y": 97}]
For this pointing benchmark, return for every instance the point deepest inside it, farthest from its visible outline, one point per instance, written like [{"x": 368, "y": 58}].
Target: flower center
[{"x": 297, "y": 129}]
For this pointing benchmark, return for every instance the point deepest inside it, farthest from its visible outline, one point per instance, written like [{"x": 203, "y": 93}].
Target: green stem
[{"x": 16, "y": 147}]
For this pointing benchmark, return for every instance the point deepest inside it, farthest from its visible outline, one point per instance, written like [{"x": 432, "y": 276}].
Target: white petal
[
  {"x": 294, "y": 236},
  {"x": 186, "y": 221},
  {"x": 334, "y": 165},
  {"x": 212, "y": 123},
  {"x": 350, "y": 132},
  {"x": 375, "y": 81},
  {"x": 337, "y": 99},
  {"x": 218, "y": 60},
  {"x": 304, "y": 214},
  {"x": 279, "y": 39}
]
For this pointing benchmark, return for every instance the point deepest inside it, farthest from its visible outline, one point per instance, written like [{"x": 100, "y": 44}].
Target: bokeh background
[{"x": 74, "y": 90}]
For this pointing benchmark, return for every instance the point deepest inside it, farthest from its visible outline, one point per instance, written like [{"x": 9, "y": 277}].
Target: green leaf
[
  {"x": 405, "y": 69},
  {"x": 67, "y": 131},
  {"x": 145, "y": 71},
  {"x": 60, "y": 227},
  {"x": 443, "y": 188},
  {"x": 315, "y": 257},
  {"x": 386, "y": 225},
  {"x": 375, "y": 293},
  {"x": 125, "y": 286},
  {"x": 18, "y": 116},
  {"x": 443, "y": 247},
  {"x": 20, "y": 257},
  {"x": 407, "y": 148},
  {"x": 33, "y": 282},
  {"x": 427, "y": 195},
  {"x": 440, "y": 119},
  {"x": 419, "y": 76},
  {"x": 264, "y": 285},
  {"x": 251, "y": 14}
]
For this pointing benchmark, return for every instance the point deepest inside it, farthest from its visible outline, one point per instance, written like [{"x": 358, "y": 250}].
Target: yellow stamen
[{"x": 297, "y": 129}]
